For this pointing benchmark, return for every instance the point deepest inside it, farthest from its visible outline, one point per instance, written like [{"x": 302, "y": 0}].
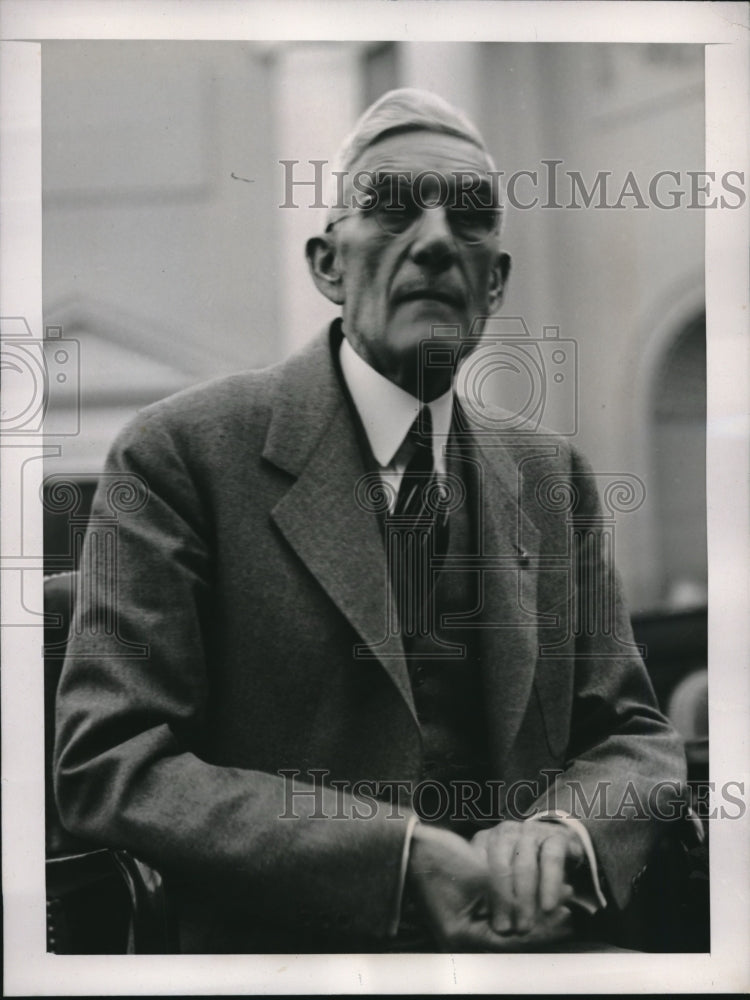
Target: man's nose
[{"x": 434, "y": 244}]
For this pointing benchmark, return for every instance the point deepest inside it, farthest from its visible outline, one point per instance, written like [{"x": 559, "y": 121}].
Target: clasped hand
[{"x": 503, "y": 891}]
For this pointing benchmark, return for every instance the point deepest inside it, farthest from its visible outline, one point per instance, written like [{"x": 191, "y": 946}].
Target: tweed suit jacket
[{"x": 256, "y": 581}]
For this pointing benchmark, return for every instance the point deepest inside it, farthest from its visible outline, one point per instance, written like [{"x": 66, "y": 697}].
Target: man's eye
[
  {"x": 463, "y": 217},
  {"x": 473, "y": 221}
]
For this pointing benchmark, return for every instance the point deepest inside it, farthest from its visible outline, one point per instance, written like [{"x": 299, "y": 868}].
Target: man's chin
[
  {"x": 429, "y": 312},
  {"x": 424, "y": 320},
  {"x": 409, "y": 356}
]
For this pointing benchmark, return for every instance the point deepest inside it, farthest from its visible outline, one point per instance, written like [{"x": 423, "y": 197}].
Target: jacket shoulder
[
  {"x": 225, "y": 398},
  {"x": 230, "y": 408},
  {"x": 502, "y": 430}
]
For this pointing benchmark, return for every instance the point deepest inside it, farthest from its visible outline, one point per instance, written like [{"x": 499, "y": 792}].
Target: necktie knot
[
  {"x": 418, "y": 476},
  {"x": 418, "y": 438}
]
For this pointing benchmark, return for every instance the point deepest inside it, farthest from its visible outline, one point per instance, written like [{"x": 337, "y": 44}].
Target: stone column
[{"x": 317, "y": 100}]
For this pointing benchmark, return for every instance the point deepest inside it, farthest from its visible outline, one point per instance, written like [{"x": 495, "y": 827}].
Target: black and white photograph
[{"x": 375, "y": 505}]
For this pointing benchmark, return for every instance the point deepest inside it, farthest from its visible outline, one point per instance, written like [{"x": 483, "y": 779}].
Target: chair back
[{"x": 59, "y": 601}]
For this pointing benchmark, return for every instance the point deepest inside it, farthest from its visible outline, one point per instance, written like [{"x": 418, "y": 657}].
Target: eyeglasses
[{"x": 397, "y": 209}]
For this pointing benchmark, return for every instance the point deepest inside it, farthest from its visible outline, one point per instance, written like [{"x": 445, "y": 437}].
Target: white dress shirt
[{"x": 387, "y": 412}]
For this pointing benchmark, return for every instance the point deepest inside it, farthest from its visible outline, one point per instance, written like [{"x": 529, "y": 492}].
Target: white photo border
[{"x": 723, "y": 29}]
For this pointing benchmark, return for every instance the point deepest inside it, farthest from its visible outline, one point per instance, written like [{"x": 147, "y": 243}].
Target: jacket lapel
[
  {"x": 509, "y": 639},
  {"x": 311, "y": 436}
]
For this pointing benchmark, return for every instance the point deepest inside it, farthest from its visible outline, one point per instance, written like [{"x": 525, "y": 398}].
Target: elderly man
[{"x": 369, "y": 716}]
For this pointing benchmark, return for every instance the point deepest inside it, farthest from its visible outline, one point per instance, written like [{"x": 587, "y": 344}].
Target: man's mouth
[{"x": 449, "y": 298}]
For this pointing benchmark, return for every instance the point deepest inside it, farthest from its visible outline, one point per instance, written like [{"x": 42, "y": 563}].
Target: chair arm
[
  {"x": 101, "y": 901},
  {"x": 153, "y": 928}
]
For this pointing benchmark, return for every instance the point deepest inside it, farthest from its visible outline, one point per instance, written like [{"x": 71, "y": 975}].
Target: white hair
[{"x": 404, "y": 110}]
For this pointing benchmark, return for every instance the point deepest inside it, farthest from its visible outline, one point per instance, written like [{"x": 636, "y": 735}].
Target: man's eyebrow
[{"x": 383, "y": 178}]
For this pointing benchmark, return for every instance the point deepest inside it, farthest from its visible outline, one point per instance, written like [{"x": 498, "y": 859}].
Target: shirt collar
[{"x": 387, "y": 411}]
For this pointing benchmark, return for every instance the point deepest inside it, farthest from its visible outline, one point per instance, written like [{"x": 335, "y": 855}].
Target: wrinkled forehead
[{"x": 417, "y": 151}]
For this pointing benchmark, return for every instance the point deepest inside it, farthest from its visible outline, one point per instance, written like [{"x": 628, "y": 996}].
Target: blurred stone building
[{"x": 168, "y": 257}]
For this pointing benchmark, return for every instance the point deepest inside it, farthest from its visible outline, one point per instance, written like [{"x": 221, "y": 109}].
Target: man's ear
[
  {"x": 498, "y": 279},
  {"x": 322, "y": 261}
]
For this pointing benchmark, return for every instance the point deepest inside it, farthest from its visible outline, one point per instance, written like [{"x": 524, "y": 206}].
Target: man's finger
[
  {"x": 501, "y": 847},
  {"x": 552, "y": 858},
  {"x": 480, "y": 839},
  {"x": 525, "y": 881}
]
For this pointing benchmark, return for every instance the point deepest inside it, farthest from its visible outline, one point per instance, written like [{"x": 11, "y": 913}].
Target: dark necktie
[{"x": 416, "y": 533}]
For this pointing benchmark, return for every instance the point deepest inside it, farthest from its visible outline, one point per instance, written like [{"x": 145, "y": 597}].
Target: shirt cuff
[
  {"x": 395, "y": 922},
  {"x": 590, "y": 898}
]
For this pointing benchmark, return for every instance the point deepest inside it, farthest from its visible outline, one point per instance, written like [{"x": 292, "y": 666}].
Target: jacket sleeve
[
  {"x": 624, "y": 767},
  {"x": 129, "y": 771}
]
